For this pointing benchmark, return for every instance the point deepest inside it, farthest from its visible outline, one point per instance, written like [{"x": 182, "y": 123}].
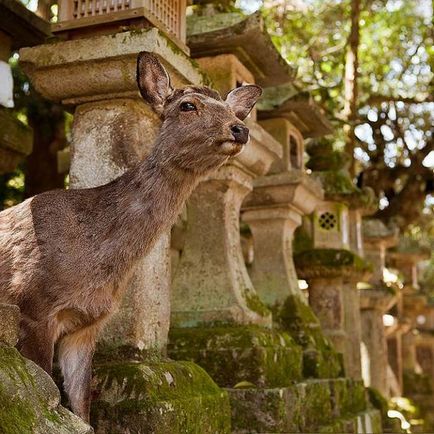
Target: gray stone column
[
  {"x": 327, "y": 301},
  {"x": 273, "y": 211},
  {"x": 374, "y": 303},
  {"x": 211, "y": 284},
  {"x": 108, "y": 138}
]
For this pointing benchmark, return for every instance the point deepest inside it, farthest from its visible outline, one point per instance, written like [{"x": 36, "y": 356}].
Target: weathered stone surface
[
  {"x": 303, "y": 407},
  {"x": 30, "y": 401},
  {"x": 299, "y": 108},
  {"x": 108, "y": 138},
  {"x": 102, "y": 67},
  {"x": 336, "y": 406},
  {"x": 243, "y": 36},
  {"x": 232, "y": 355},
  {"x": 376, "y": 239},
  {"x": 273, "y": 210},
  {"x": 211, "y": 284},
  {"x": 374, "y": 303},
  {"x": 320, "y": 359},
  {"x": 162, "y": 398},
  {"x": 9, "y": 324}
]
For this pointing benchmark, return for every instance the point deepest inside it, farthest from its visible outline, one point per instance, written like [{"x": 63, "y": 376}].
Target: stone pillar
[
  {"x": 373, "y": 304},
  {"x": 273, "y": 210},
  {"x": 107, "y": 138},
  {"x": 113, "y": 129},
  {"x": 353, "y": 322},
  {"x": 331, "y": 265},
  {"x": 217, "y": 288}
]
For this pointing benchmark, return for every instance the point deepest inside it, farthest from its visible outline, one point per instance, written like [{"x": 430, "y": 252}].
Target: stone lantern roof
[
  {"x": 329, "y": 166},
  {"x": 298, "y": 107},
  {"x": 374, "y": 230},
  {"x": 246, "y": 38},
  {"x": 411, "y": 250},
  {"x": 23, "y": 26}
]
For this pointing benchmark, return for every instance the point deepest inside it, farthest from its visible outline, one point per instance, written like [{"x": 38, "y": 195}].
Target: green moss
[
  {"x": 332, "y": 161},
  {"x": 164, "y": 397},
  {"x": 417, "y": 383},
  {"x": 255, "y": 304},
  {"x": 378, "y": 401},
  {"x": 231, "y": 355},
  {"x": 331, "y": 258},
  {"x": 28, "y": 398},
  {"x": 320, "y": 360},
  {"x": 302, "y": 241}
]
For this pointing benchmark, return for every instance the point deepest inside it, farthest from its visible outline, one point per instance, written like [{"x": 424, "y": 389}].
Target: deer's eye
[{"x": 187, "y": 107}]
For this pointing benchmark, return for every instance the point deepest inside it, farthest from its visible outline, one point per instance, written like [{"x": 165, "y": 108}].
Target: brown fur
[{"x": 66, "y": 256}]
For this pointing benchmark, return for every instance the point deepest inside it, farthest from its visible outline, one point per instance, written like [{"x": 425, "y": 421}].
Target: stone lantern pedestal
[
  {"x": 136, "y": 388},
  {"x": 273, "y": 211},
  {"x": 374, "y": 303}
]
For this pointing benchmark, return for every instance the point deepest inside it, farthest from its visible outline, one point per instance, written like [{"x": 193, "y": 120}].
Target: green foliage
[{"x": 395, "y": 116}]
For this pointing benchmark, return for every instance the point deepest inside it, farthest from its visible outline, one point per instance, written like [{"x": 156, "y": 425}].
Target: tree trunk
[{"x": 350, "y": 82}]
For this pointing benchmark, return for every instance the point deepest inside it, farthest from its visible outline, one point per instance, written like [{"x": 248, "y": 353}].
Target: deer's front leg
[{"x": 75, "y": 359}]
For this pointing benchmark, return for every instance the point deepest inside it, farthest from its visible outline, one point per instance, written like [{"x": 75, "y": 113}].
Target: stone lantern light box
[
  {"x": 330, "y": 226},
  {"x": 77, "y": 16}
]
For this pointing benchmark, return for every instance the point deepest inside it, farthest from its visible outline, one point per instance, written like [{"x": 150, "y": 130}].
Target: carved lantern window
[
  {"x": 296, "y": 150},
  {"x": 330, "y": 228},
  {"x": 107, "y": 15}
]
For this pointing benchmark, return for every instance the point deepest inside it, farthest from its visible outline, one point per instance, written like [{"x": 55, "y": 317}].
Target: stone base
[
  {"x": 320, "y": 359},
  {"x": 30, "y": 401},
  {"x": 311, "y": 406},
  {"x": 162, "y": 397},
  {"x": 248, "y": 355}
]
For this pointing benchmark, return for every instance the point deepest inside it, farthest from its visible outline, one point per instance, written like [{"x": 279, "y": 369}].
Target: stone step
[
  {"x": 303, "y": 407},
  {"x": 157, "y": 397},
  {"x": 367, "y": 422},
  {"x": 9, "y": 324},
  {"x": 240, "y": 354}
]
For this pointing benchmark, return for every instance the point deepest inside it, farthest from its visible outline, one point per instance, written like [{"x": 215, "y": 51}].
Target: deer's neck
[{"x": 145, "y": 203}]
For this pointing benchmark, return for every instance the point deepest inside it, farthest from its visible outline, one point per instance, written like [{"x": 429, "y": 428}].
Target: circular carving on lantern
[{"x": 327, "y": 221}]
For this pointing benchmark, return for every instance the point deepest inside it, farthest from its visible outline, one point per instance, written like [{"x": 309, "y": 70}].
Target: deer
[{"x": 66, "y": 256}]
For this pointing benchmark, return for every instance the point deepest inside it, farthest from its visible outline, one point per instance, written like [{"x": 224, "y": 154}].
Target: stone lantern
[
  {"x": 324, "y": 257},
  {"x": 18, "y": 28},
  {"x": 375, "y": 300},
  {"x": 273, "y": 210}
]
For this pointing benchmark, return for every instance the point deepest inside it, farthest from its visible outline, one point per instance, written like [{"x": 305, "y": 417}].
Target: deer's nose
[{"x": 240, "y": 133}]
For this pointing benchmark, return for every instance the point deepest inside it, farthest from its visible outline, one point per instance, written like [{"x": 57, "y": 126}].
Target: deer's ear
[
  {"x": 242, "y": 99},
  {"x": 153, "y": 80}
]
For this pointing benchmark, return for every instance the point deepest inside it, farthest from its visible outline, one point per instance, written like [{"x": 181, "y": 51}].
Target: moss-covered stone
[
  {"x": 348, "y": 397},
  {"x": 276, "y": 410},
  {"x": 329, "y": 263},
  {"x": 315, "y": 396},
  {"x": 261, "y": 356},
  {"x": 415, "y": 383},
  {"x": 163, "y": 397},
  {"x": 29, "y": 400},
  {"x": 320, "y": 360}
]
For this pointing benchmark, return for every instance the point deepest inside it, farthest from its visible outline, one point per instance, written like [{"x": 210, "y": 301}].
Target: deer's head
[{"x": 200, "y": 130}]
